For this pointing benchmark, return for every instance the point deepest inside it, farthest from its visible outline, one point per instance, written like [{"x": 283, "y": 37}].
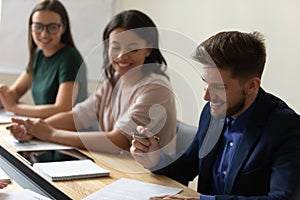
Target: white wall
[
  {"x": 191, "y": 21},
  {"x": 198, "y": 19},
  {"x": 87, "y": 20},
  {"x": 0, "y": 10}
]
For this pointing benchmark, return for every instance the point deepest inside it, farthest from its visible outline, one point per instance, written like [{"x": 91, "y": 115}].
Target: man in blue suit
[{"x": 247, "y": 146}]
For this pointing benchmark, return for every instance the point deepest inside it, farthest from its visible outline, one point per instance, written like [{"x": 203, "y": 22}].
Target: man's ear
[{"x": 253, "y": 85}]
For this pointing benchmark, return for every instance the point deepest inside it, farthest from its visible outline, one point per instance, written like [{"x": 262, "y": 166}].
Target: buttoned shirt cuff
[{"x": 207, "y": 197}]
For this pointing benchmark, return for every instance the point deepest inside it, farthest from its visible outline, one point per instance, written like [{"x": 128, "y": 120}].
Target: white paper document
[
  {"x": 4, "y": 176},
  {"x": 5, "y": 116},
  {"x": 34, "y": 145},
  {"x": 127, "y": 189},
  {"x": 24, "y": 194}
]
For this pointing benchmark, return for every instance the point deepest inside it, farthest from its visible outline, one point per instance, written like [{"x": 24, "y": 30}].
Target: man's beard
[
  {"x": 232, "y": 110},
  {"x": 237, "y": 107}
]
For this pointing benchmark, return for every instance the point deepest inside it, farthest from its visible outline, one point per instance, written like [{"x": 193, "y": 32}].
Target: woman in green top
[{"x": 56, "y": 72}]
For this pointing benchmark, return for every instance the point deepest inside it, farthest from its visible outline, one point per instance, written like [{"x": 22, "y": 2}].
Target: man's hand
[{"x": 145, "y": 149}]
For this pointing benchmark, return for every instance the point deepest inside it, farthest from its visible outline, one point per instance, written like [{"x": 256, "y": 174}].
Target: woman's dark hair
[
  {"x": 244, "y": 54},
  {"x": 53, "y": 6},
  {"x": 145, "y": 28}
]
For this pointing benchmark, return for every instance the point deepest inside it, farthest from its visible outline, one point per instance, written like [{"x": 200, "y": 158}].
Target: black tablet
[{"x": 52, "y": 155}]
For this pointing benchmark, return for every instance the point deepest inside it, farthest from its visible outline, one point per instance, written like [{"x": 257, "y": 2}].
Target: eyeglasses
[{"x": 51, "y": 28}]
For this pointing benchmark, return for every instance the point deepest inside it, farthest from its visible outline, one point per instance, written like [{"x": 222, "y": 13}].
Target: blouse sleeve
[
  {"x": 151, "y": 105},
  {"x": 85, "y": 114}
]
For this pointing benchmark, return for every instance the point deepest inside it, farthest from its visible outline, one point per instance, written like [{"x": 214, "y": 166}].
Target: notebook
[{"x": 69, "y": 170}]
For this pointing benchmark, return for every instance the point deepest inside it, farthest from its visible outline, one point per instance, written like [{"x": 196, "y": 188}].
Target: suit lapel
[
  {"x": 249, "y": 139},
  {"x": 210, "y": 136}
]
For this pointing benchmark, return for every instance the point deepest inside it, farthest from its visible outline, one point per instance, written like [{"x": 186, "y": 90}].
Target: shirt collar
[{"x": 239, "y": 124}]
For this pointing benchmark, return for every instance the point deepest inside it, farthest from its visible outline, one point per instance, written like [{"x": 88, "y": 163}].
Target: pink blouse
[{"x": 136, "y": 99}]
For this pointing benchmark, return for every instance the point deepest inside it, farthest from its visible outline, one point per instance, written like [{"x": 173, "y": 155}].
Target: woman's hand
[
  {"x": 18, "y": 130},
  {"x": 3, "y": 184},
  {"x": 24, "y": 130},
  {"x": 7, "y": 98}
]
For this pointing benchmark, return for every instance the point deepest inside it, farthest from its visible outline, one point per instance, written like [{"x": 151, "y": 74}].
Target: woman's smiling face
[
  {"x": 126, "y": 50},
  {"x": 46, "y": 41}
]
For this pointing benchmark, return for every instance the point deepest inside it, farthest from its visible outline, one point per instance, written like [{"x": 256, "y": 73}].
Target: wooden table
[{"x": 120, "y": 166}]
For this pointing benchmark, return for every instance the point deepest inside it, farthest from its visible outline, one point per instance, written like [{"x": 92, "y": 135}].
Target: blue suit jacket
[{"x": 267, "y": 163}]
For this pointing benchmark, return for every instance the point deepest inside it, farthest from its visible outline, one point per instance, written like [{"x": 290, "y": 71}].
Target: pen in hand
[{"x": 142, "y": 135}]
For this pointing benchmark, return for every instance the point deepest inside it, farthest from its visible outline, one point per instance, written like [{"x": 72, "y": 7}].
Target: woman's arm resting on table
[{"x": 63, "y": 102}]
